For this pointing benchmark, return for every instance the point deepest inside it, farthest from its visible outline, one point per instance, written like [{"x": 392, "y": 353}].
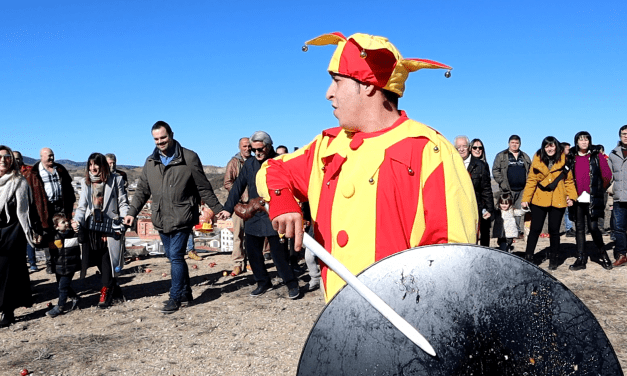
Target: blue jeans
[
  {"x": 174, "y": 245},
  {"x": 30, "y": 252},
  {"x": 190, "y": 242},
  {"x": 65, "y": 290},
  {"x": 568, "y": 225},
  {"x": 620, "y": 223}
]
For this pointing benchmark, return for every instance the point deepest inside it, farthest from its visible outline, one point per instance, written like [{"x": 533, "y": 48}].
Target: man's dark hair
[
  {"x": 514, "y": 137},
  {"x": 622, "y": 129},
  {"x": 162, "y": 124},
  {"x": 564, "y": 144},
  {"x": 391, "y": 97},
  {"x": 284, "y": 147}
]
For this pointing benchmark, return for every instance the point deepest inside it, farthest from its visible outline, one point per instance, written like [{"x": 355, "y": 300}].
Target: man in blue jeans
[
  {"x": 175, "y": 178},
  {"x": 618, "y": 164}
]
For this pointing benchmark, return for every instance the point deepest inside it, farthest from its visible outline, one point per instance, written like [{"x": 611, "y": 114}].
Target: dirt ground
[{"x": 224, "y": 331}]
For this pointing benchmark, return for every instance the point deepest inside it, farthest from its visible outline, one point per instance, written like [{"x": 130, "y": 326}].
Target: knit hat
[{"x": 372, "y": 60}]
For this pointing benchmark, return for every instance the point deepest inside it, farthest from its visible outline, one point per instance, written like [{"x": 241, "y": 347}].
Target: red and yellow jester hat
[{"x": 372, "y": 60}]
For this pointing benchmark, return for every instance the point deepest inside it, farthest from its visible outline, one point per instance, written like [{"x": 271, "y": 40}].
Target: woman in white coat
[{"x": 98, "y": 220}]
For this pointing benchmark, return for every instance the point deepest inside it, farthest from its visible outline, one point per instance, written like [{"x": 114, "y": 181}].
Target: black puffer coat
[
  {"x": 597, "y": 186},
  {"x": 65, "y": 253},
  {"x": 480, "y": 175}
]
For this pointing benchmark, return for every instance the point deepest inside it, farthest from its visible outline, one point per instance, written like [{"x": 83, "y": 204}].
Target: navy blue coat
[{"x": 259, "y": 224}]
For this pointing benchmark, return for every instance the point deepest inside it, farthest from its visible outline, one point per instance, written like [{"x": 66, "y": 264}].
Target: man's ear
[{"x": 369, "y": 90}]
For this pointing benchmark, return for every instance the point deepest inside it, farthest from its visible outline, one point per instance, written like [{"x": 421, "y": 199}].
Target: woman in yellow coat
[{"x": 549, "y": 189}]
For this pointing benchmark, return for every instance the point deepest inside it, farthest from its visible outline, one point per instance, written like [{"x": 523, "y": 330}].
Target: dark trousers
[
  {"x": 65, "y": 290},
  {"x": 505, "y": 244},
  {"x": 105, "y": 267},
  {"x": 583, "y": 217},
  {"x": 538, "y": 215},
  {"x": 484, "y": 231},
  {"x": 280, "y": 257},
  {"x": 620, "y": 227}
]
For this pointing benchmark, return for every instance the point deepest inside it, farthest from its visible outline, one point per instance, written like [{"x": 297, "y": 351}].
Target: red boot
[{"x": 106, "y": 297}]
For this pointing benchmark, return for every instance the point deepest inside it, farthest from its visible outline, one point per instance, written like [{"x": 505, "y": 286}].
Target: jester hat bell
[{"x": 372, "y": 60}]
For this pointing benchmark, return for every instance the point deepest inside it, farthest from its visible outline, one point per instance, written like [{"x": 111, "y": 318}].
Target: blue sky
[{"x": 86, "y": 76}]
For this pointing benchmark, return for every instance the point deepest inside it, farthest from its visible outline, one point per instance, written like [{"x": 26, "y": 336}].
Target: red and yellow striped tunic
[{"x": 375, "y": 194}]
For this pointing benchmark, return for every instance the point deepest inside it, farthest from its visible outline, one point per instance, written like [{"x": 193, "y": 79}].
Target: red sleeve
[{"x": 287, "y": 180}]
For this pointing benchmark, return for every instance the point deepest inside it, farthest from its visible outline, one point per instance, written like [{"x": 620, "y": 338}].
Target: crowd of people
[
  {"x": 558, "y": 179},
  {"x": 378, "y": 184}
]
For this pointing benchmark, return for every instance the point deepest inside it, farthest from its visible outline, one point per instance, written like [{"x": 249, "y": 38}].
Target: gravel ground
[{"x": 224, "y": 331}]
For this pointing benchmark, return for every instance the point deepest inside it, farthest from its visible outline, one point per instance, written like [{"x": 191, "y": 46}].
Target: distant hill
[{"x": 29, "y": 161}]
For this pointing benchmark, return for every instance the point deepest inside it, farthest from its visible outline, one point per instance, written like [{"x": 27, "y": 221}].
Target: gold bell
[{"x": 363, "y": 54}]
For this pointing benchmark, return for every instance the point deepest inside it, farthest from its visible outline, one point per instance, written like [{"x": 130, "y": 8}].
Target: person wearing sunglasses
[
  {"x": 480, "y": 175},
  {"x": 477, "y": 150},
  {"x": 258, "y": 227},
  {"x": 19, "y": 225}
]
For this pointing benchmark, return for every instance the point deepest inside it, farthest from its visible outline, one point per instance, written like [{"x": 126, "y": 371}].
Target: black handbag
[{"x": 551, "y": 187}]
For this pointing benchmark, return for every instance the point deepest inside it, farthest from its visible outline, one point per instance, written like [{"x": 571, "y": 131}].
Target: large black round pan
[{"x": 485, "y": 312}]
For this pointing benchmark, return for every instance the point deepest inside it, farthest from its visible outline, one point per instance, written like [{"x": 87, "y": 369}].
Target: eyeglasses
[
  {"x": 477, "y": 148},
  {"x": 5, "y": 156},
  {"x": 257, "y": 150},
  {"x": 463, "y": 147}
]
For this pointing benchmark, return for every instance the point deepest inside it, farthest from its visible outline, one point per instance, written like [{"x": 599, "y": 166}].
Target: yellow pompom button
[{"x": 348, "y": 190}]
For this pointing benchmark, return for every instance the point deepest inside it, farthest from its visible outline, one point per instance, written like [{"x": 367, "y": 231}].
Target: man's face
[
  {"x": 18, "y": 159},
  {"x": 47, "y": 157},
  {"x": 261, "y": 151},
  {"x": 623, "y": 136},
  {"x": 462, "y": 147},
  {"x": 244, "y": 147},
  {"x": 162, "y": 139},
  {"x": 281, "y": 151},
  {"x": 514, "y": 146},
  {"x": 344, "y": 94},
  {"x": 111, "y": 163},
  {"x": 566, "y": 149}
]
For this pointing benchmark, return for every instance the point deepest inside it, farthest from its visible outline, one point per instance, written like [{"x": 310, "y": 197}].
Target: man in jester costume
[{"x": 379, "y": 183}]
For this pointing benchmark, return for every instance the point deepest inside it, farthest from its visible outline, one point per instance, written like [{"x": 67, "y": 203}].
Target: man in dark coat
[
  {"x": 510, "y": 170},
  {"x": 52, "y": 194},
  {"x": 175, "y": 178},
  {"x": 259, "y": 226}
]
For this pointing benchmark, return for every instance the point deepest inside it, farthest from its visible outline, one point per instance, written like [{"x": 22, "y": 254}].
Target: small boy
[{"x": 65, "y": 253}]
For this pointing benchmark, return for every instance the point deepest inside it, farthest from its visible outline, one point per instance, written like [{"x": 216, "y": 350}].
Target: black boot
[
  {"x": 8, "y": 318},
  {"x": 581, "y": 261},
  {"x": 604, "y": 260},
  {"x": 553, "y": 261},
  {"x": 529, "y": 257},
  {"x": 48, "y": 261}
]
